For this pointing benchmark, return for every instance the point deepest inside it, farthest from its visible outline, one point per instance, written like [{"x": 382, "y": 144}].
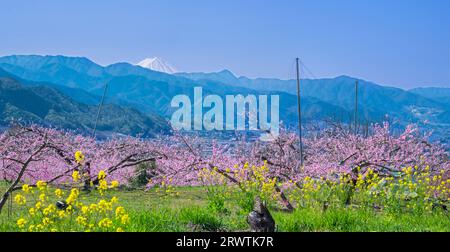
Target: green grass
[{"x": 151, "y": 212}]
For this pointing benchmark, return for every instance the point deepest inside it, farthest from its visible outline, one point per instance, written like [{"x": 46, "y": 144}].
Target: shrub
[{"x": 70, "y": 213}]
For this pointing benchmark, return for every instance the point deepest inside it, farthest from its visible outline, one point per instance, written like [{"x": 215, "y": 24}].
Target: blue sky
[{"x": 399, "y": 43}]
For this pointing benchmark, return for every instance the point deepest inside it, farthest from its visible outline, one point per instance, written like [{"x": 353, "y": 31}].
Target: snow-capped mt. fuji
[{"x": 157, "y": 64}]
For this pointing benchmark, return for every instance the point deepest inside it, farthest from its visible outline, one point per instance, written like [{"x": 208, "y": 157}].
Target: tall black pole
[
  {"x": 356, "y": 107},
  {"x": 299, "y": 115},
  {"x": 99, "y": 110}
]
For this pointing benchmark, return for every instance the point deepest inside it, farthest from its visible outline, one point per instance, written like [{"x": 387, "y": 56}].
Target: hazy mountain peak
[
  {"x": 227, "y": 73},
  {"x": 36, "y": 63},
  {"x": 345, "y": 77},
  {"x": 157, "y": 64}
]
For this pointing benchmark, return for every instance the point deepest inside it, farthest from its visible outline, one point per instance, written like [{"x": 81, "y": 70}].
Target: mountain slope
[
  {"x": 48, "y": 106},
  {"x": 81, "y": 95},
  {"x": 224, "y": 76},
  {"x": 441, "y": 95}
]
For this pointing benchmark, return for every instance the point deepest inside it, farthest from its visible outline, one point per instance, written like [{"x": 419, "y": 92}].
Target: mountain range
[
  {"x": 134, "y": 86},
  {"x": 375, "y": 101},
  {"x": 149, "y": 92},
  {"x": 29, "y": 102}
]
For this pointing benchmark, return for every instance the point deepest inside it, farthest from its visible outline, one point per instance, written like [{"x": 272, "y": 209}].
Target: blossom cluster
[{"x": 56, "y": 209}]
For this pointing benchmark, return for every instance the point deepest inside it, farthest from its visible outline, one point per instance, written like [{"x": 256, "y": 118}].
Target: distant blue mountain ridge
[
  {"x": 26, "y": 102},
  {"x": 151, "y": 92}
]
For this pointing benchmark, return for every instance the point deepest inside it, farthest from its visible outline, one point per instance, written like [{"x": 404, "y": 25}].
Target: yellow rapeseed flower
[
  {"x": 49, "y": 210},
  {"x": 74, "y": 193},
  {"x": 93, "y": 208},
  {"x": 105, "y": 223},
  {"x": 85, "y": 210},
  {"x": 101, "y": 175},
  {"x": 46, "y": 221},
  {"x": 43, "y": 197},
  {"x": 26, "y": 188},
  {"x": 103, "y": 185},
  {"x": 105, "y": 205},
  {"x": 41, "y": 185},
  {"x": 81, "y": 220},
  {"x": 120, "y": 211},
  {"x": 59, "y": 193},
  {"x": 124, "y": 219},
  {"x": 114, "y": 199},
  {"x": 79, "y": 157},
  {"x": 114, "y": 184},
  {"x": 20, "y": 199},
  {"x": 21, "y": 222},
  {"x": 61, "y": 214},
  {"x": 32, "y": 211},
  {"x": 76, "y": 176}
]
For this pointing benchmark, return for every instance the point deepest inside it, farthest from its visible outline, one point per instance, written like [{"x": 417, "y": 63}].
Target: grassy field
[{"x": 151, "y": 211}]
